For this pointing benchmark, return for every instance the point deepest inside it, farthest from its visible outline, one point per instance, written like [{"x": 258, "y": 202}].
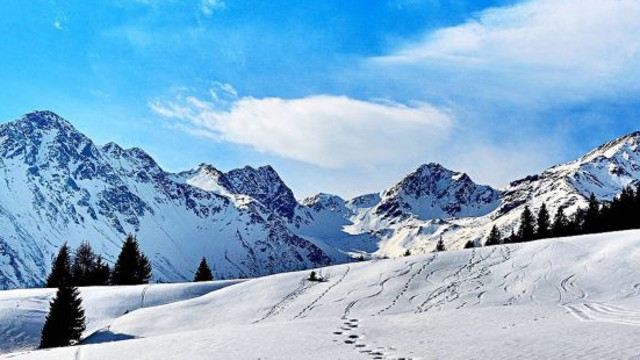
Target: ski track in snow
[
  {"x": 451, "y": 289},
  {"x": 380, "y": 288},
  {"x": 407, "y": 284},
  {"x": 77, "y": 354},
  {"x": 286, "y": 301},
  {"x": 304, "y": 313},
  {"x": 142, "y": 296}
]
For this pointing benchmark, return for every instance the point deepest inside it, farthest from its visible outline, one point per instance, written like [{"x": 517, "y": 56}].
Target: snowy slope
[
  {"x": 563, "y": 298},
  {"x": 58, "y": 186},
  {"x": 22, "y": 312}
]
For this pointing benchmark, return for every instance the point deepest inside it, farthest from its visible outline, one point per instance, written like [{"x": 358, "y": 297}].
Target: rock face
[
  {"x": 433, "y": 191},
  {"x": 57, "y": 186}
]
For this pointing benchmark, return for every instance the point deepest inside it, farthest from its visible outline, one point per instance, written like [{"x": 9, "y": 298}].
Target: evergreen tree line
[
  {"x": 619, "y": 214},
  {"x": 88, "y": 269},
  {"x": 66, "y": 320}
]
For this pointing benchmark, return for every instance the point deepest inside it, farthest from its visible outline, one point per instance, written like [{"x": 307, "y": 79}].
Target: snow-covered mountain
[
  {"x": 434, "y": 202},
  {"x": 433, "y": 191},
  {"x": 58, "y": 186}
]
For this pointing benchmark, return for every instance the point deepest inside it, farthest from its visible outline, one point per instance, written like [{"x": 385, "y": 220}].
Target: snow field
[{"x": 571, "y": 298}]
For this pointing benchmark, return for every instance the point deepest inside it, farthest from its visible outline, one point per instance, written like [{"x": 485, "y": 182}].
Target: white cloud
[
  {"x": 59, "y": 25},
  {"x": 208, "y": 7},
  {"x": 330, "y": 131},
  {"x": 547, "y": 51}
]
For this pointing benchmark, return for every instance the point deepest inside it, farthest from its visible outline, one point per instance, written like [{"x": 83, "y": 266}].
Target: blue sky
[{"x": 339, "y": 96}]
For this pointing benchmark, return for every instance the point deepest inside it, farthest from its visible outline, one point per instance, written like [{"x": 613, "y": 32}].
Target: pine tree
[
  {"x": 560, "y": 224},
  {"x": 61, "y": 269},
  {"x": 543, "y": 228},
  {"x": 511, "y": 239},
  {"x": 591, "y": 223},
  {"x": 84, "y": 265},
  {"x": 440, "y": 246},
  {"x": 132, "y": 267},
  {"x": 143, "y": 274},
  {"x": 66, "y": 321},
  {"x": 204, "y": 272},
  {"x": 494, "y": 238},
  {"x": 407, "y": 253},
  {"x": 527, "y": 226},
  {"x": 101, "y": 273},
  {"x": 470, "y": 244}
]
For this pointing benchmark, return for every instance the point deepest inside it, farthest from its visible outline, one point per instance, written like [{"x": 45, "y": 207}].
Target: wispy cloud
[
  {"x": 329, "y": 131},
  {"x": 208, "y": 7},
  {"x": 540, "y": 52}
]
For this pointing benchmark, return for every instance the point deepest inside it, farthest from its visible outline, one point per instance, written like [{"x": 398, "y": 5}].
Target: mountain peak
[
  {"x": 432, "y": 166},
  {"x": 45, "y": 120},
  {"x": 433, "y": 191},
  {"x": 265, "y": 185}
]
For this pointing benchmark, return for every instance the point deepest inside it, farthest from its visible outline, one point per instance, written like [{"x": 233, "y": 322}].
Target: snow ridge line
[{"x": 306, "y": 310}]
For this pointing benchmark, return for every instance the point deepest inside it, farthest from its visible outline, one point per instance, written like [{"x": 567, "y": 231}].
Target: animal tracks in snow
[{"x": 350, "y": 335}]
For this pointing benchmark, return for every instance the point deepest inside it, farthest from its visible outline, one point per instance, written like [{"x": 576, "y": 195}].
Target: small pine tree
[
  {"x": 61, "y": 269},
  {"x": 313, "y": 276},
  {"x": 590, "y": 224},
  {"x": 560, "y": 224},
  {"x": 143, "y": 275},
  {"x": 526, "y": 232},
  {"x": 440, "y": 246},
  {"x": 84, "y": 265},
  {"x": 132, "y": 267},
  {"x": 543, "y": 228},
  {"x": 494, "y": 238},
  {"x": 407, "y": 253},
  {"x": 101, "y": 273},
  {"x": 204, "y": 272},
  {"x": 66, "y": 321},
  {"x": 470, "y": 244}
]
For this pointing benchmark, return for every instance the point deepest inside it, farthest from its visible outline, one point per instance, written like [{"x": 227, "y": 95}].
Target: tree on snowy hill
[
  {"x": 560, "y": 225},
  {"x": 132, "y": 266},
  {"x": 66, "y": 321},
  {"x": 494, "y": 237},
  {"x": 470, "y": 244},
  {"x": 84, "y": 265},
  {"x": 543, "y": 227},
  {"x": 61, "y": 269},
  {"x": 101, "y": 273},
  {"x": 592, "y": 215},
  {"x": 526, "y": 232},
  {"x": 204, "y": 272},
  {"x": 440, "y": 246}
]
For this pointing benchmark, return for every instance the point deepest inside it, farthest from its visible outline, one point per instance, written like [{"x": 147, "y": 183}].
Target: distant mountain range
[{"x": 57, "y": 186}]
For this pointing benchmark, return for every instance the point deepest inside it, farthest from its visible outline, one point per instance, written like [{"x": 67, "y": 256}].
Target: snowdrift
[{"x": 22, "y": 312}]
